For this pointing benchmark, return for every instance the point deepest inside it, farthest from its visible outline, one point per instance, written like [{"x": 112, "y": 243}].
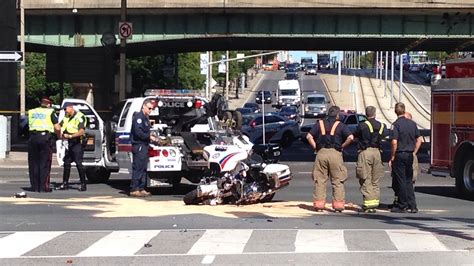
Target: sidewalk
[
  {"x": 18, "y": 157},
  {"x": 344, "y": 99}
]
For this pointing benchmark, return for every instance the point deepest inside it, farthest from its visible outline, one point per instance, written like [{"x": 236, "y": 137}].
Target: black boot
[
  {"x": 82, "y": 177},
  {"x": 66, "y": 174}
]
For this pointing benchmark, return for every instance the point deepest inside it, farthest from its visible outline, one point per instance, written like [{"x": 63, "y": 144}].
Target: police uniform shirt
[
  {"x": 340, "y": 135},
  {"x": 405, "y": 132},
  {"x": 140, "y": 133},
  {"x": 53, "y": 117},
  {"x": 364, "y": 137},
  {"x": 79, "y": 127}
]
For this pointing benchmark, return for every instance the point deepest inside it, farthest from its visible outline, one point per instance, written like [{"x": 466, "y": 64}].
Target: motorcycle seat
[{"x": 192, "y": 143}]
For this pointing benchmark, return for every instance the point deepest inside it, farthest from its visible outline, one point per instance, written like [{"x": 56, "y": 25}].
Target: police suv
[{"x": 184, "y": 123}]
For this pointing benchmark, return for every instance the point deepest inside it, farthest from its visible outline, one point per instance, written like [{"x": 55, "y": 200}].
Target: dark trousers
[
  {"x": 74, "y": 153},
  {"x": 140, "y": 162},
  {"x": 39, "y": 160},
  {"x": 402, "y": 174}
]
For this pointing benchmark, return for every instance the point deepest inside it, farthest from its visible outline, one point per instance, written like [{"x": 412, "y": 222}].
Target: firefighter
[
  {"x": 42, "y": 124},
  {"x": 72, "y": 127},
  {"x": 405, "y": 142},
  {"x": 369, "y": 167},
  {"x": 328, "y": 137},
  {"x": 415, "y": 171},
  {"x": 140, "y": 137}
]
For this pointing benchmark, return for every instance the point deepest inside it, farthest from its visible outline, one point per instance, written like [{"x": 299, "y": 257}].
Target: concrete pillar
[{"x": 9, "y": 102}]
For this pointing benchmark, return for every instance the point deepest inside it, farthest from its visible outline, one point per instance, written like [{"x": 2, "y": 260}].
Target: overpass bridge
[{"x": 180, "y": 25}]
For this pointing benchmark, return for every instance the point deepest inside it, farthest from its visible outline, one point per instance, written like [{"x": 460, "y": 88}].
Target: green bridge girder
[{"x": 86, "y": 30}]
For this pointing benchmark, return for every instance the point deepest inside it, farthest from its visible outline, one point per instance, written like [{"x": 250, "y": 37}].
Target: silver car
[{"x": 316, "y": 105}]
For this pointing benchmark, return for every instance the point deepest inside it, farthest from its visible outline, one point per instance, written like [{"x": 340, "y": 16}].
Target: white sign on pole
[
  {"x": 11, "y": 56},
  {"x": 204, "y": 60},
  {"x": 222, "y": 68},
  {"x": 125, "y": 30},
  {"x": 240, "y": 56},
  {"x": 213, "y": 82}
]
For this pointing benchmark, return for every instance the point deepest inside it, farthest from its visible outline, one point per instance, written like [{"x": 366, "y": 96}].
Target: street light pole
[
  {"x": 391, "y": 78},
  {"x": 123, "y": 44},
  {"x": 22, "y": 64},
  {"x": 386, "y": 73},
  {"x": 401, "y": 79}
]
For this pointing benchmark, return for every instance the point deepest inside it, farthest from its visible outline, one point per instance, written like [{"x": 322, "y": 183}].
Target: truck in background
[
  {"x": 306, "y": 61},
  {"x": 452, "y": 125},
  {"x": 288, "y": 93},
  {"x": 324, "y": 61}
]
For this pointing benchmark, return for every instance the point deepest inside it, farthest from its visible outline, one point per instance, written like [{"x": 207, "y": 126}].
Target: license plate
[{"x": 276, "y": 153}]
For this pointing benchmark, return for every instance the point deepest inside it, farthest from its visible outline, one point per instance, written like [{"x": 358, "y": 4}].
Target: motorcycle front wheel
[{"x": 192, "y": 198}]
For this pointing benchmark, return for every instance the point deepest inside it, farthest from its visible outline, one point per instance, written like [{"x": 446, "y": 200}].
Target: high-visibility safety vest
[
  {"x": 374, "y": 140},
  {"x": 39, "y": 119},
  {"x": 71, "y": 124}
]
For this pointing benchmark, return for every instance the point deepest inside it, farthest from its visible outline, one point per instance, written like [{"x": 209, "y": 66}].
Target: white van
[{"x": 288, "y": 93}]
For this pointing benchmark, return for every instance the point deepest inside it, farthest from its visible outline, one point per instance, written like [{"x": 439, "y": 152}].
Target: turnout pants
[
  {"x": 39, "y": 160},
  {"x": 369, "y": 170},
  {"x": 139, "y": 164},
  {"x": 402, "y": 173},
  {"x": 74, "y": 153},
  {"x": 329, "y": 165}
]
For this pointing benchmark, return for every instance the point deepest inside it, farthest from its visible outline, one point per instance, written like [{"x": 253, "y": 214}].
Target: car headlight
[
  {"x": 323, "y": 109},
  {"x": 292, "y": 116},
  {"x": 306, "y": 108}
]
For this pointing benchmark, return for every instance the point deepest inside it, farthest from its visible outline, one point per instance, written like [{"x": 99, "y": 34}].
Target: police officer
[
  {"x": 405, "y": 142},
  {"x": 72, "y": 127},
  {"x": 369, "y": 167},
  {"x": 140, "y": 137},
  {"x": 329, "y": 136},
  {"x": 42, "y": 124}
]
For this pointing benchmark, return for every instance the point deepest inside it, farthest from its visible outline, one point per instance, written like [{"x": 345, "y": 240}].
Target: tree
[
  {"x": 35, "y": 82},
  {"x": 189, "y": 73}
]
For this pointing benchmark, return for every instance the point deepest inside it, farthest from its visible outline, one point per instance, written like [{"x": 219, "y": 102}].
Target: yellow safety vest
[
  {"x": 39, "y": 119},
  {"x": 71, "y": 125}
]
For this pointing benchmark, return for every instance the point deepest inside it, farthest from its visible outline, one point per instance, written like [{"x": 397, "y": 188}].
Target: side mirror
[
  {"x": 328, "y": 101},
  {"x": 115, "y": 118}
]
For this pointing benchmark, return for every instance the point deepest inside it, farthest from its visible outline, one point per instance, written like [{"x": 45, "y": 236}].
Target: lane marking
[
  {"x": 119, "y": 243},
  {"x": 208, "y": 259},
  {"x": 221, "y": 241},
  {"x": 317, "y": 241},
  {"x": 20, "y": 243},
  {"x": 415, "y": 240}
]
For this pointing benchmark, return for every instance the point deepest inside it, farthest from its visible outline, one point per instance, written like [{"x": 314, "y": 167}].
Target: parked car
[
  {"x": 245, "y": 110},
  {"x": 414, "y": 68},
  {"x": 255, "y": 107},
  {"x": 291, "y": 112},
  {"x": 281, "y": 66},
  {"x": 277, "y": 129},
  {"x": 267, "y": 97}
]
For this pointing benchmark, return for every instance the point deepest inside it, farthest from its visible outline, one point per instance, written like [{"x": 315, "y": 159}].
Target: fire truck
[{"x": 452, "y": 124}]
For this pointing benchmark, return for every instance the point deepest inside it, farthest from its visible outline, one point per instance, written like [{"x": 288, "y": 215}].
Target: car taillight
[
  {"x": 197, "y": 104},
  {"x": 253, "y": 124},
  {"x": 435, "y": 70},
  {"x": 165, "y": 153},
  {"x": 153, "y": 153}
]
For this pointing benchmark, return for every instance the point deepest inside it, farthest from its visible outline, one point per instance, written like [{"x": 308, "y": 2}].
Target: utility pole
[
  {"x": 391, "y": 78},
  {"x": 339, "y": 59},
  {"x": 376, "y": 64},
  {"x": 386, "y": 73},
  {"x": 227, "y": 75},
  {"x": 401, "y": 79},
  {"x": 123, "y": 44},
  {"x": 22, "y": 64}
]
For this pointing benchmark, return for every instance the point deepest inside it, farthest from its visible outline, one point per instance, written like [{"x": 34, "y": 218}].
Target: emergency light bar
[{"x": 165, "y": 92}]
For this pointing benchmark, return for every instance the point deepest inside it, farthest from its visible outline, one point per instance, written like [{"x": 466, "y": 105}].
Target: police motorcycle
[
  {"x": 238, "y": 178},
  {"x": 239, "y": 174}
]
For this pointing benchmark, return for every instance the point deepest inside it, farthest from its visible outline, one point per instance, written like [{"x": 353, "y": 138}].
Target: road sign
[
  {"x": 241, "y": 56},
  {"x": 125, "y": 30},
  {"x": 10, "y": 56},
  {"x": 169, "y": 66},
  {"x": 204, "y": 60}
]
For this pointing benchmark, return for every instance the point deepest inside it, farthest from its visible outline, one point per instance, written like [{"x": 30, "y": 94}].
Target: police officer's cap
[
  {"x": 67, "y": 105},
  {"x": 46, "y": 99}
]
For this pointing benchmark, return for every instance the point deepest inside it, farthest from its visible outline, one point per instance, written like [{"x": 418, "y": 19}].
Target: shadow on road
[{"x": 443, "y": 191}]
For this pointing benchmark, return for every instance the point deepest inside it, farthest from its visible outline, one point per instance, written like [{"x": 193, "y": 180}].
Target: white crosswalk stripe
[
  {"x": 230, "y": 241},
  {"x": 320, "y": 241},
  {"x": 19, "y": 243},
  {"x": 119, "y": 243},
  {"x": 221, "y": 242}
]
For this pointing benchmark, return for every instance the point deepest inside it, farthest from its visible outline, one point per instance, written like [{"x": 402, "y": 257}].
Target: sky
[{"x": 298, "y": 54}]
